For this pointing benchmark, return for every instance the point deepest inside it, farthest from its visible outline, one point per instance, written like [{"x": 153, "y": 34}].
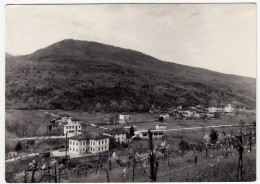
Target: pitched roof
[
  {"x": 87, "y": 136},
  {"x": 75, "y": 119},
  {"x": 65, "y": 115},
  {"x": 161, "y": 125}
]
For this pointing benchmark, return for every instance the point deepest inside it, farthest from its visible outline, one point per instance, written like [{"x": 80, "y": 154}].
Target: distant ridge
[{"x": 90, "y": 76}]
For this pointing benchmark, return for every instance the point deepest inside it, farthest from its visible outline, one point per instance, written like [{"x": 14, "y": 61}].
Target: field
[
  {"x": 30, "y": 123},
  {"x": 214, "y": 167}
]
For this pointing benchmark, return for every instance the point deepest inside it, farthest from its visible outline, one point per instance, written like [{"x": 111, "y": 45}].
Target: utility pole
[
  {"x": 66, "y": 146},
  {"x": 152, "y": 171},
  {"x": 134, "y": 166}
]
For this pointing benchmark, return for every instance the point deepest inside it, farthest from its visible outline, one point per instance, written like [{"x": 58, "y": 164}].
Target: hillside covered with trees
[{"x": 89, "y": 76}]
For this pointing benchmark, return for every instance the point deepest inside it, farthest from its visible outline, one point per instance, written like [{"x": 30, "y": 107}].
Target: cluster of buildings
[
  {"x": 117, "y": 119},
  {"x": 198, "y": 112},
  {"x": 90, "y": 143}
]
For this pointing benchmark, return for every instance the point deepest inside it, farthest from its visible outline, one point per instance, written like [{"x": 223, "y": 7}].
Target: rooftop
[
  {"x": 161, "y": 125},
  {"x": 65, "y": 115},
  {"x": 87, "y": 136}
]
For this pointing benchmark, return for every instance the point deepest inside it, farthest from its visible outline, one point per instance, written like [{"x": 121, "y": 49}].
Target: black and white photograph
[{"x": 130, "y": 92}]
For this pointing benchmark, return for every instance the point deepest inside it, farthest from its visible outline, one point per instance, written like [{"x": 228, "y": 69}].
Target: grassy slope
[
  {"x": 181, "y": 169},
  {"x": 78, "y": 75}
]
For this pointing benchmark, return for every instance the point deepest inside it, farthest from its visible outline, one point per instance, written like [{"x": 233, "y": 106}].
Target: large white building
[
  {"x": 73, "y": 127},
  {"x": 88, "y": 143}
]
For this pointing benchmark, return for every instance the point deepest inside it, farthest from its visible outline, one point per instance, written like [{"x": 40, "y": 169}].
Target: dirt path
[{"x": 212, "y": 126}]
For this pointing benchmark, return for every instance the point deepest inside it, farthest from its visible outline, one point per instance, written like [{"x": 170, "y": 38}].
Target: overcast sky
[{"x": 219, "y": 37}]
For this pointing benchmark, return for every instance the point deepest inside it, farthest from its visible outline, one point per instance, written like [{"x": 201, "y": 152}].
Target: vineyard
[{"x": 230, "y": 157}]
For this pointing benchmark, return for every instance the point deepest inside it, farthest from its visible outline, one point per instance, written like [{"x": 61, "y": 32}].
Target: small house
[
  {"x": 164, "y": 116},
  {"x": 119, "y": 134},
  {"x": 65, "y": 118},
  {"x": 157, "y": 134},
  {"x": 160, "y": 127},
  {"x": 123, "y": 119},
  {"x": 228, "y": 109}
]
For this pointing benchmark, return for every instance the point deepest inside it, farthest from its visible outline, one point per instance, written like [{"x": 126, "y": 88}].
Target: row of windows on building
[
  {"x": 102, "y": 148},
  {"x": 91, "y": 149},
  {"x": 99, "y": 142},
  {"x": 72, "y": 127},
  {"x": 83, "y": 143},
  {"x": 71, "y": 131},
  {"x": 81, "y": 150}
]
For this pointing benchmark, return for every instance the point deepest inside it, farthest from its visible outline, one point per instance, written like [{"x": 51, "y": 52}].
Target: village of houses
[{"x": 82, "y": 142}]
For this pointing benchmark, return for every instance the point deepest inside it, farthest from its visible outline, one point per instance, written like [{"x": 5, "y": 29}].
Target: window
[
  {"x": 76, "y": 150},
  {"x": 98, "y": 149},
  {"x": 67, "y": 127},
  {"x": 93, "y": 143},
  {"x": 73, "y": 142},
  {"x": 102, "y": 147},
  {"x": 105, "y": 147},
  {"x": 70, "y": 149},
  {"x": 73, "y": 149},
  {"x": 102, "y": 142},
  {"x": 80, "y": 143},
  {"x": 98, "y": 142}
]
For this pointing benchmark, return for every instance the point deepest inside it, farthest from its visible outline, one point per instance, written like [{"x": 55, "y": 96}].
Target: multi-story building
[
  {"x": 73, "y": 127},
  {"x": 88, "y": 143}
]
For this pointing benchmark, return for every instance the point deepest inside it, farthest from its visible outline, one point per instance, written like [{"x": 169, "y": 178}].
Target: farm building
[
  {"x": 119, "y": 134},
  {"x": 65, "y": 118},
  {"x": 157, "y": 134},
  {"x": 111, "y": 120},
  {"x": 73, "y": 127},
  {"x": 88, "y": 143},
  {"x": 160, "y": 127},
  {"x": 123, "y": 118},
  {"x": 228, "y": 108},
  {"x": 165, "y": 116}
]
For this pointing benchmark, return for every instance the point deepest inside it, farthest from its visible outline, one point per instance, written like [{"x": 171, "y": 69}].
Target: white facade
[
  {"x": 123, "y": 118},
  {"x": 120, "y": 138},
  {"x": 72, "y": 128},
  {"x": 165, "y": 116},
  {"x": 156, "y": 135},
  {"x": 98, "y": 146},
  {"x": 88, "y": 146},
  {"x": 78, "y": 146},
  {"x": 228, "y": 108},
  {"x": 160, "y": 127}
]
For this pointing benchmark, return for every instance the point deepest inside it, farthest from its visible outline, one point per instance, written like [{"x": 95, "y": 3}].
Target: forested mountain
[{"x": 87, "y": 76}]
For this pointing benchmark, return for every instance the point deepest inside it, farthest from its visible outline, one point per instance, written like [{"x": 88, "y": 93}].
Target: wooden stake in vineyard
[{"x": 152, "y": 171}]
